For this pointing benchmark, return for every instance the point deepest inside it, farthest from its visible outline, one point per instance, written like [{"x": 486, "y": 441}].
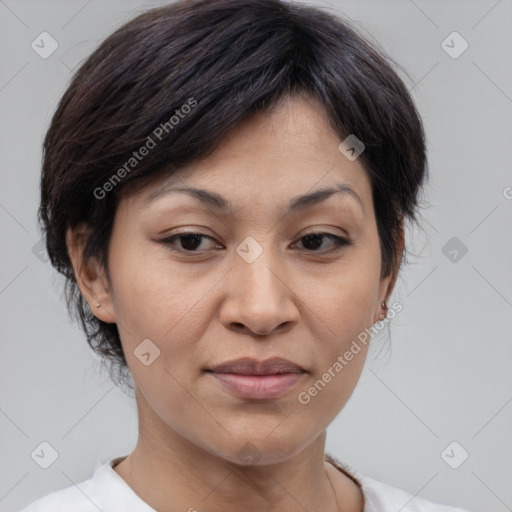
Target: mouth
[
  {"x": 248, "y": 366},
  {"x": 258, "y": 380}
]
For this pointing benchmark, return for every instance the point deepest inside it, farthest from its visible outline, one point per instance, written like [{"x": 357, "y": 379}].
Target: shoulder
[
  {"x": 62, "y": 500},
  {"x": 105, "y": 491},
  {"x": 383, "y": 497}
]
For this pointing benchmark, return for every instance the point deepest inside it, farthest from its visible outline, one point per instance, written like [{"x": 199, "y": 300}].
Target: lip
[
  {"x": 258, "y": 387},
  {"x": 258, "y": 380},
  {"x": 248, "y": 366}
]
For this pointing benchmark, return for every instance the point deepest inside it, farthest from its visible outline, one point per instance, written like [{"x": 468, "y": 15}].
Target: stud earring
[{"x": 384, "y": 307}]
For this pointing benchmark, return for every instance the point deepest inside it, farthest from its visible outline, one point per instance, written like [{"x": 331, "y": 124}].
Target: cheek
[
  {"x": 341, "y": 306},
  {"x": 155, "y": 302},
  {"x": 152, "y": 297},
  {"x": 343, "y": 298}
]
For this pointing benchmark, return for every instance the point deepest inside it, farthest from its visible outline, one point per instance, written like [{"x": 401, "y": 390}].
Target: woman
[{"x": 225, "y": 186}]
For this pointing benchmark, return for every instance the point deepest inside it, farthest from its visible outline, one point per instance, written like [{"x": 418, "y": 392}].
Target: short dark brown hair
[{"x": 212, "y": 63}]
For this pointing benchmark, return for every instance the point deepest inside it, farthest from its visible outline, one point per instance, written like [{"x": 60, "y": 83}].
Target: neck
[{"x": 169, "y": 472}]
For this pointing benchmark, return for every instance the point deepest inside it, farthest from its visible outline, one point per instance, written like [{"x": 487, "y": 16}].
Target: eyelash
[{"x": 339, "y": 242}]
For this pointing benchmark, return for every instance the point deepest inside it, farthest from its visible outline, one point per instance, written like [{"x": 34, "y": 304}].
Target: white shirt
[{"x": 108, "y": 492}]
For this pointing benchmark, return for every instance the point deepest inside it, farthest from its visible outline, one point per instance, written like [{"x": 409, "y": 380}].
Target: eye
[
  {"x": 314, "y": 239},
  {"x": 189, "y": 241}
]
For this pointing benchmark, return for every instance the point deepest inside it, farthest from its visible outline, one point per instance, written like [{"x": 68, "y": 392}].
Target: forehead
[
  {"x": 278, "y": 154},
  {"x": 292, "y": 135}
]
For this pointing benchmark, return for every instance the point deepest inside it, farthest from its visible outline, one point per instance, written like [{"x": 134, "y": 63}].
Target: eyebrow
[{"x": 222, "y": 204}]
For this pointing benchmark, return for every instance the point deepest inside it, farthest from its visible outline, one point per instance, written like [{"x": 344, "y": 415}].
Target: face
[{"x": 263, "y": 275}]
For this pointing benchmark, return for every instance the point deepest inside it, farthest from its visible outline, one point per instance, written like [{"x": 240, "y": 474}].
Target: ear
[
  {"x": 90, "y": 275},
  {"x": 388, "y": 283}
]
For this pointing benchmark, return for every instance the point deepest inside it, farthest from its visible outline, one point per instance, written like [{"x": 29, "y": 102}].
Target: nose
[{"x": 259, "y": 301}]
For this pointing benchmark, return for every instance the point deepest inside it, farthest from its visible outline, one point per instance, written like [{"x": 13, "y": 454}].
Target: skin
[{"x": 304, "y": 305}]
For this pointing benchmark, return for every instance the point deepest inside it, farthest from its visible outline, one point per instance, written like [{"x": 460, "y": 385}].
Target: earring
[
  {"x": 384, "y": 307},
  {"x": 97, "y": 305}
]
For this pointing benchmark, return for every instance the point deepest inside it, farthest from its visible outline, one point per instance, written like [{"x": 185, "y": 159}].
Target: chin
[{"x": 262, "y": 447}]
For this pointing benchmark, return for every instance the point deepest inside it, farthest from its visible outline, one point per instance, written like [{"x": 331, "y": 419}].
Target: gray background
[{"x": 448, "y": 374}]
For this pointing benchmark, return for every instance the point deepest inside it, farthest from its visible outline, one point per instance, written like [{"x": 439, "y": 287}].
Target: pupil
[
  {"x": 186, "y": 245},
  {"x": 314, "y": 237}
]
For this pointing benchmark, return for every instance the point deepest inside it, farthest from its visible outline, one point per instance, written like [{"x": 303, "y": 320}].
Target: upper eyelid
[{"x": 307, "y": 233}]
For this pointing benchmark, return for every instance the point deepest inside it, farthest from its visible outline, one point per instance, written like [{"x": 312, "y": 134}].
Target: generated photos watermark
[
  {"x": 363, "y": 338},
  {"x": 151, "y": 142}
]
